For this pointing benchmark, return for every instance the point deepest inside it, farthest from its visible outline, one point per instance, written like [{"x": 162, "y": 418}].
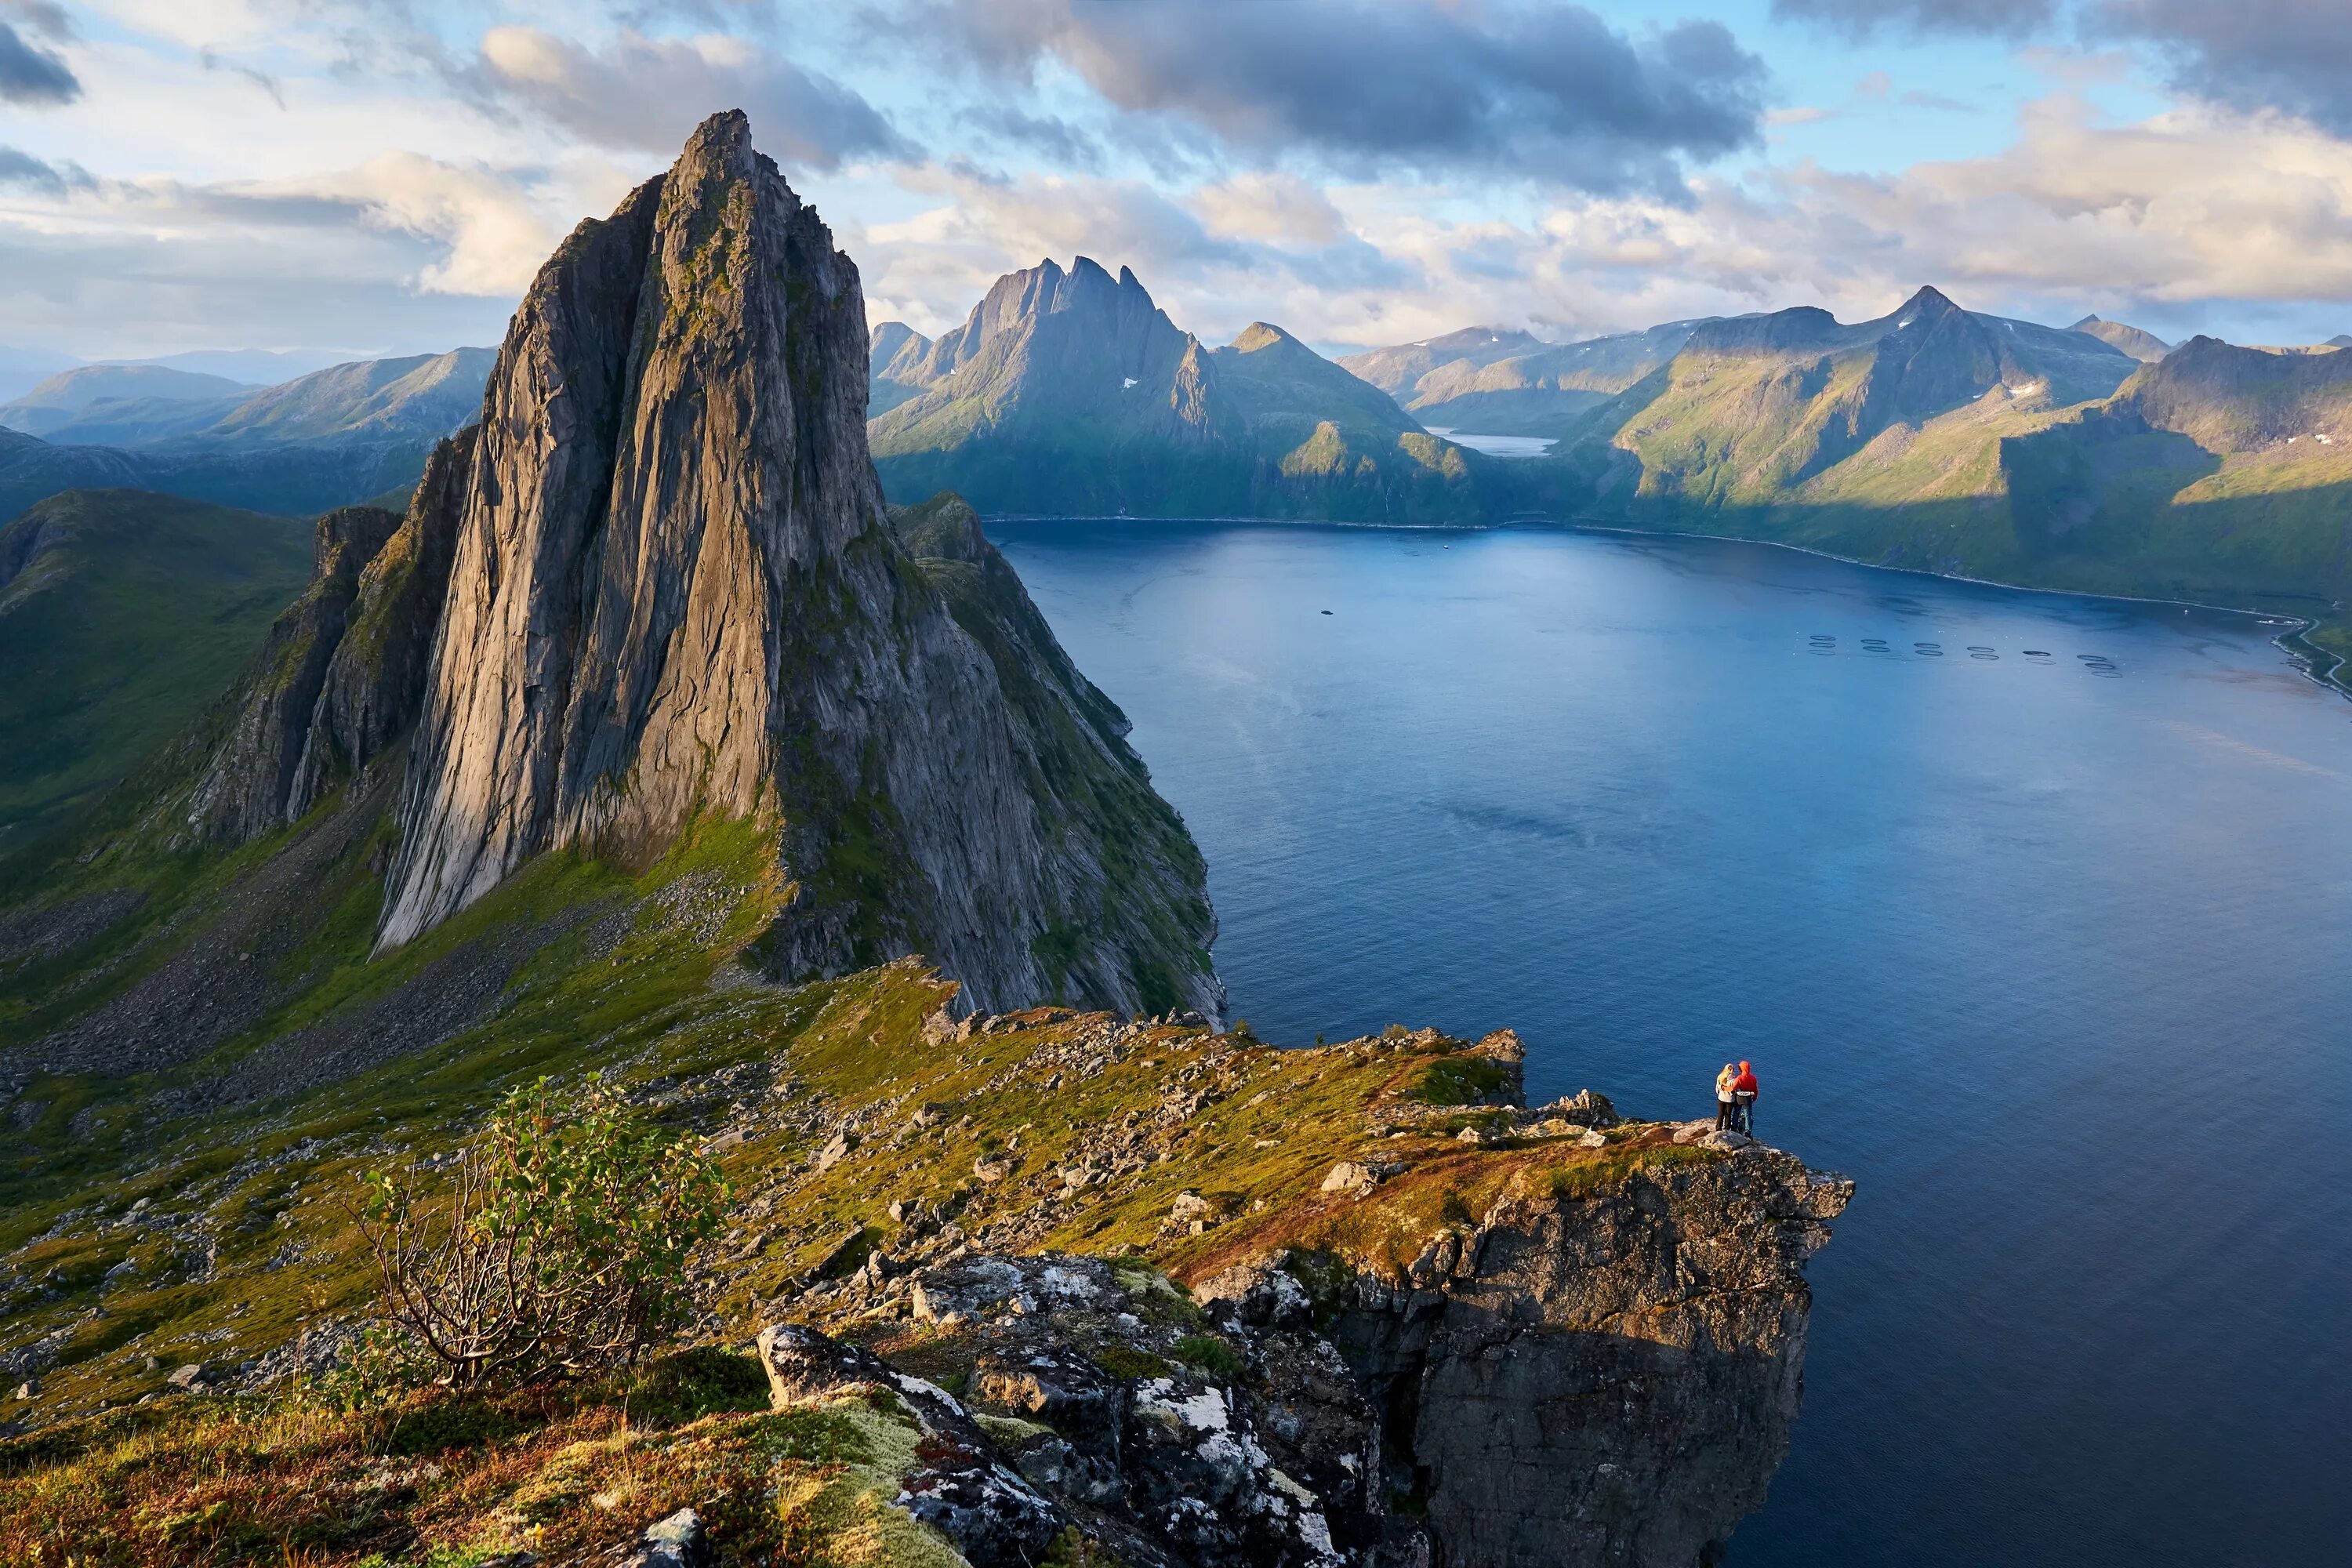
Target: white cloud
[
  {"x": 647, "y": 94},
  {"x": 1279, "y": 208},
  {"x": 1216, "y": 260},
  {"x": 490, "y": 232},
  {"x": 2190, "y": 211}
]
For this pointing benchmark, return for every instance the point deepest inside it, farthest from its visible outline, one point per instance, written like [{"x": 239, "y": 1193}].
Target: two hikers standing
[{"x": 1734, "y": 1100}]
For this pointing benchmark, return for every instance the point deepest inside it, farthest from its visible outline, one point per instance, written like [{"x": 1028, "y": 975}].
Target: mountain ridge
[
  {"x": 332, "y": 437},
  {"x": 1073, "y": 393},
  {"x": 2143, "y": 346}
]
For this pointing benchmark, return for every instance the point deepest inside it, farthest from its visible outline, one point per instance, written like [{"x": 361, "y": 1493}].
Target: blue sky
[{"x": 373, "y": 176}]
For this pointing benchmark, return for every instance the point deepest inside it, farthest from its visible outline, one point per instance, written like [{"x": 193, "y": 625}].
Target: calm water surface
[{"x": 2053, "y": 955}]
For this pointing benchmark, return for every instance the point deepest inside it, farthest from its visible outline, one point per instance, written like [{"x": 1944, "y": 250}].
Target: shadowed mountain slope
[
  {"x": 2146, "y": 347},
  {"x": 895, "y": 352},
  {"x": 121, "y": 614},
  {"x": 1072, "y": 393}
]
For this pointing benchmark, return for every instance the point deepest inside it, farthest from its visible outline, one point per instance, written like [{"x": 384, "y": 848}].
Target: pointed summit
[
  {"x": 1928, "y": 303},
  {"x": 1262, "y": 335}
]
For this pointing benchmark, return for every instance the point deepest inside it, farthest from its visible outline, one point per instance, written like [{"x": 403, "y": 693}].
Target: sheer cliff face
[
  {"x": 244, "y": 792},
  {"x": 376, "y": 678},
  {"x": 675, "y": 591},
  {"x": 338, "y": 681},
  {"x": 1637, "y": 1354}
]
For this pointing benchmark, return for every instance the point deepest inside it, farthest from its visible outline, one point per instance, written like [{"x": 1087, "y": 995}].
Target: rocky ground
[{"x": 1428, "y": 1318}]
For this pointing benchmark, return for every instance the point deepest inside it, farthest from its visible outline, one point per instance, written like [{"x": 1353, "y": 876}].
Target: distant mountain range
[
  {"x": 1071, "y": 393},
  {"x": 2096, "y": 456},
  {"x": 1944, "y": 440},
  {"x": 1528, "y": 393},
  {"x": 22, "y": 369},
  {"x": 329, "y": 438}
]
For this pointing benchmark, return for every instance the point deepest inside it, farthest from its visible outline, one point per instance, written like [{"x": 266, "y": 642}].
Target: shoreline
[{"x": 2304, "y": 656}]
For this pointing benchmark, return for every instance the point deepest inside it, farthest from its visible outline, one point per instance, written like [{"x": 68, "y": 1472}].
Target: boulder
[
  {"x": 678, "y": 1542},
  {"x": 961, "y": 1485}
]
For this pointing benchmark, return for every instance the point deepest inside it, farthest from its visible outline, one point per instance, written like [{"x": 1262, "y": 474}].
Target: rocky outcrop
[
  {"x": 1135, "y": 920},
  {"x": 244, "y": 793},
  {"x": 1098, "y": 1399},
  {"x": 342, "y": 676},
  {"x": 1602, "y": 1372},
  {"x": 1605, "y": 1376},
  {"x": 675, "y": 593},
  {"x": 375, "y": 681}
]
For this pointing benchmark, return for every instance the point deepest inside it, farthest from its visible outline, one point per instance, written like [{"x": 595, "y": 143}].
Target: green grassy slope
[{"x": 121, "y": 614}]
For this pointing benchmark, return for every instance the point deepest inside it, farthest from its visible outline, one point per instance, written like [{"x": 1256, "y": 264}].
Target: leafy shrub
[
  {"x": 561, "y": 1246},
  {"x": 1209, "y": 1353},
  {"x": 1461, "y": 1080}
]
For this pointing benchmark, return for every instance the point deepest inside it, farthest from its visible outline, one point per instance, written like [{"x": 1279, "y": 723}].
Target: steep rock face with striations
[
  {"x": 675, "y": 591},
  {"x": 375, "y": 681},
  {"x": 1129, "y": 921},
  {"x": 342, "y": 676},
  {"x": 244, "y": 793}
]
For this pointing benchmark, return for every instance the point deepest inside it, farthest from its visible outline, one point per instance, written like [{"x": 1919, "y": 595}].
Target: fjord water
[{"x": 2048, "y": 952}]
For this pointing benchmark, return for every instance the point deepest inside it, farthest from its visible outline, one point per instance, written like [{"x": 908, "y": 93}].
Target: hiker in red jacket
[{"x": 1743, "y": 1099}]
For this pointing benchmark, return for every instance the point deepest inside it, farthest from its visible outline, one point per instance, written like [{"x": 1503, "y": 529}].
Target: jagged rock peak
[
  {"x": 341, "y": 675},
  {"x": 1926, "y": 303},
  {"x": 1087, "y": 296},
  {"x": 246, "y": 789},
  {"x": 675, "y": 593},
  {"x": 1261, "y": 334}
]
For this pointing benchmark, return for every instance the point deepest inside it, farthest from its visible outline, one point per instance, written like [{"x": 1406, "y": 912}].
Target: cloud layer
[
  {"x": 32, "y": 75},
  {"x": 1549, "y": 93},
  {"x": 388, "y": 173},
  {"x": 2291, "y": 56},
  {"x": 644, "y": 95}
]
